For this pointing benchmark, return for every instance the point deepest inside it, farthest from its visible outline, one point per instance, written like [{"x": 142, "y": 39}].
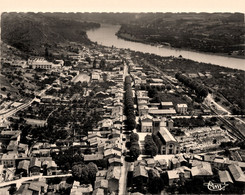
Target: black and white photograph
[{"x": 113, "y": 97}]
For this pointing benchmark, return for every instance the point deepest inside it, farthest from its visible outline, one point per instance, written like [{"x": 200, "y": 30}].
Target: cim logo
[{"x": 215, "y": 186}]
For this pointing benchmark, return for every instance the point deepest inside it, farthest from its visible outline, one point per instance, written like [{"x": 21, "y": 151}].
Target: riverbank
[{"x": 128, "y": 37}]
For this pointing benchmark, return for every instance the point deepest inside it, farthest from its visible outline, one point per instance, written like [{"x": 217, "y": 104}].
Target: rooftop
[{"x": 166, "y": 135}]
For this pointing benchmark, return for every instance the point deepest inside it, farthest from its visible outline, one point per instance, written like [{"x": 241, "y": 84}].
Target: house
[
  {"x": 23, "y": 148},
  {"x": 101, "y": 174},
  {"x": 32, "y": 187},
  {"x": 115, "y": 161},
  {"x": 95, "y": 77},
  {"x": 173, "y": 176},
  {"x": 35, "y": 166},
  {"x": 175, "y": 163},
  {"x": 84, "y": 189},
  {"x": 162, "y": 163},
  {"x": 181, "y": 108},
  {"x": 143, "y": 110},
  {"x": 113, "y": 176},
  {"x": 150, "y": 162},
  {"x": 93, "y": 157},
  {"x": 203, "y": 169},
  {"x": 167, "y": 105},
  {"x": 23, "y": 167},
  {"x": 99, "y": 191},
  {"x": 146, "y": 124},
  {"x": 109, "y": 153},
  {"x": 184, "y": 172},
  {"x": 6, "y": 136},
  {"x": 221, "y": 162},
  {"x": 182, "y": 160},
  {"x": 103, "y": 184},
  {"x": 140, "y": 174},
  {"x": 237, "y": 173},
  {"x": 50, "y": 166},
  {"x": 224, "y": 177},
  {"x": 13, "y": 145},
  {"x": 8, "y": 160}
]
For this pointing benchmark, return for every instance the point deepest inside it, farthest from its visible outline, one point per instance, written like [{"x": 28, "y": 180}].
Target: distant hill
[
  {"x": 32, "y": 32},
  {"x": 206, "y": 32}
]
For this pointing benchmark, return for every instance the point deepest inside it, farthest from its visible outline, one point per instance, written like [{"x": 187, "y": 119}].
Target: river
[{"x": 105, "y": 35}]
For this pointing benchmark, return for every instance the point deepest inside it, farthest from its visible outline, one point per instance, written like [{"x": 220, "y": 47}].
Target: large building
[
  {"x": 169, "y": 144},
  {"x": 40, "y": 63},
  {"x": 181, "y": 108}
]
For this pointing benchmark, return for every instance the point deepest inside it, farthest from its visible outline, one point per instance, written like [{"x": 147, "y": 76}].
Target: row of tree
[
  {"x": 199, "y": 88},
  {"x": 129, "y": 104}
]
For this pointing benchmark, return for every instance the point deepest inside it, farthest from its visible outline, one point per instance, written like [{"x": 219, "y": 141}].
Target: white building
[
  {"x": 181, "y": 108},
  {"x": 40, "y": 62}
]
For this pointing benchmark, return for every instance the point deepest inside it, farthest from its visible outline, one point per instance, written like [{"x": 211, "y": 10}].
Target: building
[
  {"x": 167, "y": 105},
  {"x": 113, "y": 176},
  {"x": 40, "y": 63},
  {"x": 201, "y": 169},
  {"x": 8, "y": 160},
  {"x": 225, "y": 177},
  {"x": 84, "y": 189},
  {"x": 169, "y": 145},
  {"x": 173, "y": 176},
  {"x": 146, "y": 124},
  {"x": 101, "y": 184},
  {"x": 237, "y": 173},
  {"x": 6, "y": 136},
  {"x": 23, "y": 167},
  {"x": 161, "y": 112},
  {"x": 140, "y": 174},
  {"x": 35, "y": 166},
  {"x": 181, "y": 108}
]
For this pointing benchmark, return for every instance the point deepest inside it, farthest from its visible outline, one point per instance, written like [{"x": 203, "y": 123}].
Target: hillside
[
  {"x": 206, "y": 32},
  {"x": 32, "y": 32}
]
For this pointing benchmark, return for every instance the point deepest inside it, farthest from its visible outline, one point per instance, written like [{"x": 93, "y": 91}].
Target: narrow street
[
  {"x": 123, "y": 178},
  {"x": 18, "y": 182}
]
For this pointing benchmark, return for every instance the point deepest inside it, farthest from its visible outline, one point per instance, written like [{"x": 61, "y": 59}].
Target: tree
[
  {"x": 88, "y": 59},
  {"x": 93, "y": 169},
  {"x": 12, "y": 190},
  {"x": 156, "y": 185},
  {"x": 102, "y": 163},
  {"x": 85, "y": 173},
  {"x": 134, "y": 150},
  {"x": 150, "y": 146},
  {"x": 46, "y": 53},
  {"x": 3, "y": 88},
  {"x": 102, "y": 63},
  {"x": 94, "y": 63},
  {"x": 134, "y": 137},
  {"x": 168, "y": 87}
]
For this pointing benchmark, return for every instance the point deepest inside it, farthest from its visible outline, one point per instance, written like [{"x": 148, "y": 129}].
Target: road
[
  {"x": 4, "y": 116},
  {"x": 18, "y": 182},
  {"x": 123, "y": 178},
  {"x": 124, "y": 167}
]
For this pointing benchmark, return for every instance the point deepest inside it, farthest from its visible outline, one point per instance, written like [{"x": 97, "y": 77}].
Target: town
[{"x": 99, "y": 122}]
